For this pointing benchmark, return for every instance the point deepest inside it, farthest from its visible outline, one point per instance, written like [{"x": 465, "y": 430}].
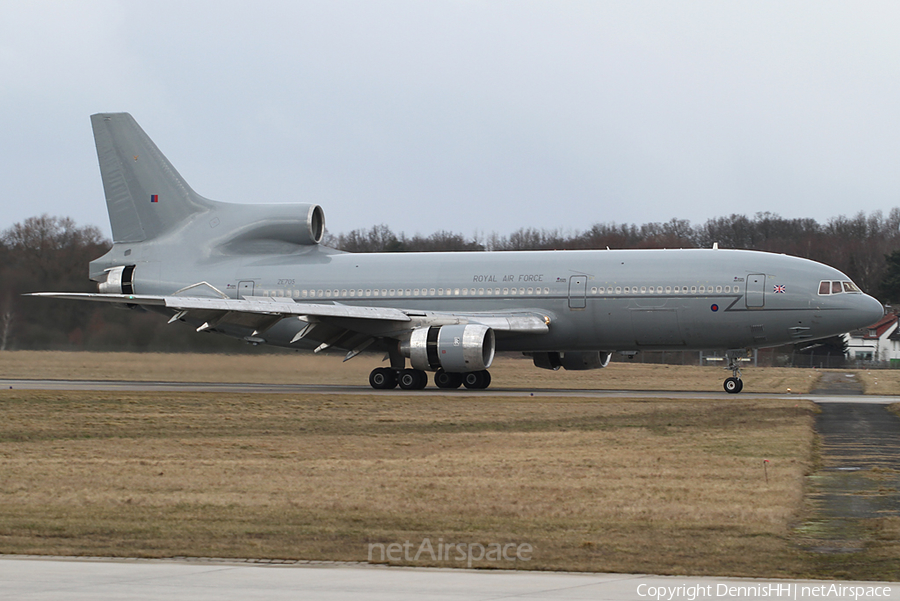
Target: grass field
[{"x": 632, "y": 485}]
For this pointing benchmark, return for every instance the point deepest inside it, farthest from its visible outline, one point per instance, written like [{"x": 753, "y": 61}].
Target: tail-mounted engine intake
[
  {"x": 572, "y": 361},
  {"x": 455, "y": 349},
  {"x": 119, "y": 280}
]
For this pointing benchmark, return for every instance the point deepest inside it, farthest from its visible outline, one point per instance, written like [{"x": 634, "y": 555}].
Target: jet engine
[
  {"x": 455, "y": 349},
  {"x": 572, "y": 360},
  {"x": 119, "y": 280},
  {"x": 302, "y": 224}
]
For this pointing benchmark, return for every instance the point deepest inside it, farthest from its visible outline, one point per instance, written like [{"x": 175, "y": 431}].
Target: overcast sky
[{"x": 466, "y": 116}]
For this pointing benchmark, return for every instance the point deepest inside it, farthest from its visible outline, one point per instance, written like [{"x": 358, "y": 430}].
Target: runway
[
  {"x": 150, "y": 386},
  {"x": 63, "y": 579}
]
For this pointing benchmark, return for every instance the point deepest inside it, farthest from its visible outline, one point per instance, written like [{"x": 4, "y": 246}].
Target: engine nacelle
[
  {"x": 572, "y": 360},
  {"x": 119, "y": 280},
  {"x": 455, "y": 349},
  {"x": 256, "y": 228}
]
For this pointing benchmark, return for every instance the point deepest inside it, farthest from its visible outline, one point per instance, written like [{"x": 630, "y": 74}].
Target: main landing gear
[
  {"x": 734, "y": 384},
  {"x": 385, "y": 378}
]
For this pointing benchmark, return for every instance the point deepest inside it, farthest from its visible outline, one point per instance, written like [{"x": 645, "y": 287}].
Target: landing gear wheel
[
  {"x": 412, "y": 379},
  {"x": 443, "y": 379},
  {"x": 477, "y": 380},
  {"x": 383, "y": 378},
  {"x": 733, "y": 385}
]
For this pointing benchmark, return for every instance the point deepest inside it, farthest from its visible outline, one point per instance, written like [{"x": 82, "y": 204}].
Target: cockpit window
[{"x": 836, "y": 287}]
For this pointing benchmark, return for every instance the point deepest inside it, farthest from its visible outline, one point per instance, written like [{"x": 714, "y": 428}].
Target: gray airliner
[{"x": 259, "y": 272}]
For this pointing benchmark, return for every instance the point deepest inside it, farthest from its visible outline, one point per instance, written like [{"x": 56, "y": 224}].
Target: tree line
[{"x": 52, "y": 254}]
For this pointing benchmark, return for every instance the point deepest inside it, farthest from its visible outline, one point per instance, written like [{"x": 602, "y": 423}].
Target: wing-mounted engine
[
  {"x": 453, "y": 348},
  {"x": 572, "y": 361}
]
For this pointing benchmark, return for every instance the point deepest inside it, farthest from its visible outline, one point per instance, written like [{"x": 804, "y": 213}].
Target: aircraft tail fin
[{"x": 145, "y": 196}]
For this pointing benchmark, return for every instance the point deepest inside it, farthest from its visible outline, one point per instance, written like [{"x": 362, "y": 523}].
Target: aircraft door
[
  {"x": 245, "y": 288},
  {"x": 577, "y": 292},
  {"x": 756, "y": 290}
]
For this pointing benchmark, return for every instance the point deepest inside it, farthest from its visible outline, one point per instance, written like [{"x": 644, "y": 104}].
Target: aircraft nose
[{"x": 870, "y": 310}]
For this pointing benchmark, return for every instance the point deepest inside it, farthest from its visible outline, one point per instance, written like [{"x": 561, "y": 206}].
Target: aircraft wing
[{"x": 343, "y": 323}]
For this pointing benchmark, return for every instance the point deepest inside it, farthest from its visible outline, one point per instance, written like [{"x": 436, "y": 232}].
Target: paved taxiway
[
  {"x": 137, "y": 386},
  {"x": 63, "y": 579}
]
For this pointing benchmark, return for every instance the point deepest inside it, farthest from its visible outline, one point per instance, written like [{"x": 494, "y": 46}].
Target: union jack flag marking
[{"x": 779, "y": 288}]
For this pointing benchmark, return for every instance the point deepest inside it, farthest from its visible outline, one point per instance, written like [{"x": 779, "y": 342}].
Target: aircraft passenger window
[
  {"x": 836, "y": 288},
  {"x": 368, "y": 292},
  {"x": 600, "y": 290},
  {"x": 531, "y": 291},
  {"x": 328, "y": 293},
  {"x": 693, "y": 290},
  {"x": 375, "y": 292},
  {"x": 319, "y": 293},
  {"x": 728, "y": 288},
  {"x": 353, "y": 293},
  {"x": 702, "y": 289},
  {"x": 618, "y": 290},
  {"x": 594, "y": 290},
  {"x": 481, "y": 292},
  {"x": 506, "y": 291},
  {"x": 676, "y": 290},
  {"x": 432, "y": 292},
  {"x": 408, "y": 292},
  {"x": 718, "y": 289},
  {"x": 456, "y": 291},
  {"x": 391, "y": 292},
  {"x": 416, "y": 292}
]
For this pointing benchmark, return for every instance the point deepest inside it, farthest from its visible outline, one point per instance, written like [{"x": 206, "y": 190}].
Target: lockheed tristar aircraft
[{"x": 259, "y": 272}]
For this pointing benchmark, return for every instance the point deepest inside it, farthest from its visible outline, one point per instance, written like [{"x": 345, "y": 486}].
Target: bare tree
[{"x": 6, "y": 320}]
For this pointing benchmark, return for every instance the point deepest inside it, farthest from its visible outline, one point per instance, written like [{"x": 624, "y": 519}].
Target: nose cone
[{"x": 869, "y": 310}]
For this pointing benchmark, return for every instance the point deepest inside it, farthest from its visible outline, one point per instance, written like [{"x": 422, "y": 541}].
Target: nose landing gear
[{"x": 734, "y": 384}]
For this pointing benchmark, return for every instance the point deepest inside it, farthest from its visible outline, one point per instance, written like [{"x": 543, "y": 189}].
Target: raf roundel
[{"x": 714, "y": 307}]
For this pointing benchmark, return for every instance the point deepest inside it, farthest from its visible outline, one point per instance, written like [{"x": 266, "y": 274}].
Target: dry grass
[
  {"x": 880, "y": 381},
  {"x": 636, "y": 485},
  {"x": 306, "y": 368},
  {"x": 631, "y": 486}
]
